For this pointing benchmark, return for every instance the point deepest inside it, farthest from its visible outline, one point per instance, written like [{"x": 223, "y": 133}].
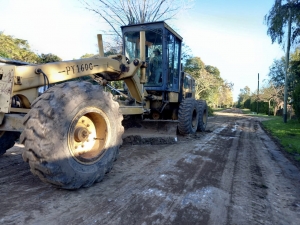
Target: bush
[
  {"x": 247, "y": 104},
  {"x": 263, "y": 107}
]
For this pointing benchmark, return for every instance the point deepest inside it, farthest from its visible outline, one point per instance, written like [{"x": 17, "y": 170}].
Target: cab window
[{"x": 154, "y": 53}]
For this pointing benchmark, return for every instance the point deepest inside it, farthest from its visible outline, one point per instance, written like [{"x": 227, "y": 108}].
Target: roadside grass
[
  {"x": 288, "y": 134},
  {"x": 218, "y": 109},
  {"x": 248, "y": 112}
]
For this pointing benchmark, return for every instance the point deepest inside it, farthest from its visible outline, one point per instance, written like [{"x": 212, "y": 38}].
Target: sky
[{"x": 230, "y": 35}]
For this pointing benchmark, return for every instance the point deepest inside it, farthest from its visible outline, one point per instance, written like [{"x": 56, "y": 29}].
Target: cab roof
[{"x": 150, "y": 26}]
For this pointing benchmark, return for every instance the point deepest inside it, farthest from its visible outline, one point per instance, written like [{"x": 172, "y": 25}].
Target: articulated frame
[{"x": 24, "y": 81}]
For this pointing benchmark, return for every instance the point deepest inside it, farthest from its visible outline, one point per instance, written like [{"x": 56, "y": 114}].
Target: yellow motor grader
[{"x": 72, "y": 130}]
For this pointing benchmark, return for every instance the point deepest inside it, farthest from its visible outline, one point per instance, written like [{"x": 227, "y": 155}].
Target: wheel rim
[{"x": 88, "y": 135}]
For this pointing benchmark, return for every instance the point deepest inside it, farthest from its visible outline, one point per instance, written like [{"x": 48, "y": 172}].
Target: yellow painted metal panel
[
  {"x": 12, "y": 122},
  {"x": 6, "y": 87},
  {"x": 173, "y": 97}
]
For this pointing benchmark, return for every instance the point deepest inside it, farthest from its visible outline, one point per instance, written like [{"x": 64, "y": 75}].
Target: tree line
[
  {"x": 271, "y": 96},
  {"x": 209, "y": 83},
  {"x": 20, "y": 50}
]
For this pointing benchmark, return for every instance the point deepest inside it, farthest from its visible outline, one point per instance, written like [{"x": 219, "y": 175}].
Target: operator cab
[{"x": 163, "y": 50}]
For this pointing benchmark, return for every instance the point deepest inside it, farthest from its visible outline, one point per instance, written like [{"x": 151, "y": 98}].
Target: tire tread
[{"x": 43, "y": 158}]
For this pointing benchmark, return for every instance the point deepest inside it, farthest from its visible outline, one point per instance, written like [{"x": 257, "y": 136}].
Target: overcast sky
[{"x": 230, "y": 35}]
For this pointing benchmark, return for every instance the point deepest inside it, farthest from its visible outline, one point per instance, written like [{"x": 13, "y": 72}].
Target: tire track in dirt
[
  {"x": 173, "y": 188},
  {"x": 232, "y": 174},
  {"x": 167, "y": 170},
  {"x": 145, "y": 189},
  {"x": 184, "y": 190},
  {"x": 283, "y": 182},
  {"x": 252, "y": 201},
  {"x": 249, "y": 182}
]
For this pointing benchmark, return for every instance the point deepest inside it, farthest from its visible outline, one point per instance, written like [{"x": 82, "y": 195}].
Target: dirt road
[{"x": 232, "y": 174}]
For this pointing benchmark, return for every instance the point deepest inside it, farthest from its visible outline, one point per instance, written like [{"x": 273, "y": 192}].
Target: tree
[
  {"x": 17, "y": 49},
  {"x": 225, "y": 98},
  {"x": 118, "y": 13},
  {"x": 243, "y": 96},
  {"x": 295, "y": 65},
  {"x": 206, "y": 82},
  {"x": 277, "y": 78},
  {"x": 277, "y": 72},
  {"x": 194, "y": 66},
  {"x": 281, "y": 15},
  {"x": 209, "y": 84},
  {"x": 186, "y": 53},
  {"x": 47, "y": 58},
  {"x": 212, "y": 70},
  {"x": 277, "y": 20},
  {"x": 111, "y": 51},
  {"x": 272, "y": 93},
  {"x": 87, "y": 55}
]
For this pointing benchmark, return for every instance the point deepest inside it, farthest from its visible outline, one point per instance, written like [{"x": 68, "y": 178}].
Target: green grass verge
[
  {"x": 248, "y": 112},
  {"x": 218, "y": 109},
  {"x": 287, "y": 133}
]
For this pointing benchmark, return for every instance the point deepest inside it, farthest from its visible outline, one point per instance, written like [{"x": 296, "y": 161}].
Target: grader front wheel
[{"x": 72, "y": 135}]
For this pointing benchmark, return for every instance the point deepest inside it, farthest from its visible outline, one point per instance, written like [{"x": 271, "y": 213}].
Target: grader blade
[{"x": 150, "y": 132}]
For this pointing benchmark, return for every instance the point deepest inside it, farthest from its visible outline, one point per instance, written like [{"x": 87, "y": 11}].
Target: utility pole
[
  {"x": 257, "y": 92},
  {"x": 287, "y": 59}
]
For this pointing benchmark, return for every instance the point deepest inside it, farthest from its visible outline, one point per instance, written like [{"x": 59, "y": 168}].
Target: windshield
[{"x": 153, "y": 51}]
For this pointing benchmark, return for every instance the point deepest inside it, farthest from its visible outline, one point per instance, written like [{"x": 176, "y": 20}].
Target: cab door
[{"x": 173, "y": 57}]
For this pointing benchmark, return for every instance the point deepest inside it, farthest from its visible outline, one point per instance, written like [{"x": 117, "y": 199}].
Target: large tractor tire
[
  {"x": 72, "y": 135},
  {"x": 203, "y": 114},
  {"x": 7, "y": 140},
  {"x": 188, "y": 116}
]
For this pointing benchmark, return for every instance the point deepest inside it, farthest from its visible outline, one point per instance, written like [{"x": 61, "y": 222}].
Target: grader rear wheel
[
  {"x": 72, "y": 135},
  {"x": 188, "y": 116},
  {"x": 7, "y": 140}
]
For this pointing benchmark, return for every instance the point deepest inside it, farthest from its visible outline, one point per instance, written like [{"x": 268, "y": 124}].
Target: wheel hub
[
  {"x": 88, "y": 135},
  {"x": 84, "y": 135},
  {"x": 81, "y": 134}
]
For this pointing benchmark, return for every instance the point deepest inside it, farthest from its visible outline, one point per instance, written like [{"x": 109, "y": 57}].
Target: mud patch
[{"x": 143, "y": 140}]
